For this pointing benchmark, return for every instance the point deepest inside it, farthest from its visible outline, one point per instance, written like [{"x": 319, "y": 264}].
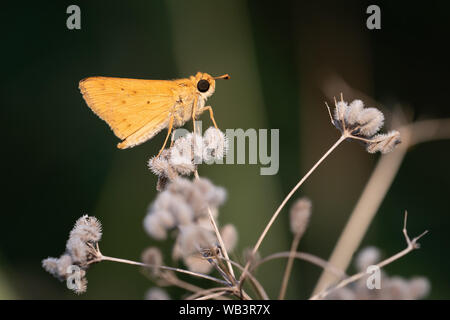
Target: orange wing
[{"x": 136, "y": 110}]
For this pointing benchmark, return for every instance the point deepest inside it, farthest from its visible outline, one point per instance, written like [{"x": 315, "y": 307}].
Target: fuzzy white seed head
[
  {"x": 188, "y": 149},
  {"x": 156, "y": 294},
  {"x": 299, "y": 215},
  {"x": 58, "y": 266},
  {"x": 250, "y": 257},
  {"x": 154, "y": 228},
  {"x": 88, "y": 229},
  {"x": 229, "y": 236},
  {"x": 196, "y": 263},
  {"x": 339, "y": 111},
  {"x": 370, "y": 121},
  {"x": 353, "y": 111},
  {"x": 78, "y": 250},
  {"x": 152, "y": 256},
  {"x": 194, "y": 239},
  {"x": 214, "y": 145},
  {"x": 384, "y": 143},
  {"x": 396, "y": 288},
  {"x": 160, "y": 165},
  {"x": 213, "y": 195},
  {"x": 419, "y": 287},
  {"x": 367, "y": 257},
  {"x": 181, "y": 210},
  {"x": 80, "y": 285}
]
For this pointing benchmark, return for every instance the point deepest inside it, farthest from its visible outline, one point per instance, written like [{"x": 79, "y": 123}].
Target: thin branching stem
[
  {"x": 206, "y": 292},
  {"x": 195, "y": 274},
  {"x": 375, "y": 190},
  {"x": 291, "y": 193},
  {"x": 257, "y": 285},
  {"x": 411, "y": 245},
  {"x": 308, "y": 257},
  {"x": 290, "y": 263},
  {"x": 219, "y": 237}
]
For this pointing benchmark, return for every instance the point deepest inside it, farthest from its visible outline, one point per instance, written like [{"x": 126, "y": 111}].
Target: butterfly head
[{"x": 206, "y": 84}]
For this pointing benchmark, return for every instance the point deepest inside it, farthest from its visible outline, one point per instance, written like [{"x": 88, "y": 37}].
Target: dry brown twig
[{"x": 411, "y": 245}]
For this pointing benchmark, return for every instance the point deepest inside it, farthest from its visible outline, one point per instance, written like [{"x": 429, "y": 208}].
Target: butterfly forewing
[{"x": 130, "y": 106}]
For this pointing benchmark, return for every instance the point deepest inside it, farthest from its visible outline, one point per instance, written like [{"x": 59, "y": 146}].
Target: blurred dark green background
[{"x": 60, "y": 161}]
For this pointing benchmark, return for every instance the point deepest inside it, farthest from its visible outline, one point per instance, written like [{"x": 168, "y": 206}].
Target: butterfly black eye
[{"x": 203, "y": 85}]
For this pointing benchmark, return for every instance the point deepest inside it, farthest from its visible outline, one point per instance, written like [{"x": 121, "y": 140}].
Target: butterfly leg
[
  {"x": 178, "y": 120},
  {"x": 194, "y": 112},
  {"x": 211, "y": 115},
  {"x": 169, "y": 130}
]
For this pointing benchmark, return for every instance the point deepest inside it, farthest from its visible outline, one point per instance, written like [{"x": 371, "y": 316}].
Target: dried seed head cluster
[
  {"x": 183, "y": 206},
  {"x": 392, "y": 288},
  {"x": 229, "y": 236},
  {"x": 299, "y": 215},
  {"x": 186, "y": 153},
  {"x": 367, "y": 257},
  {"x": 356, "y": 122},
  {"x": 184, "y": 202},
  {"x": 156, "y": 293},
  {"x": 153, "y": 257},
  {"x": 81, "y": 251},
  {"x": 248, "y": 256}
]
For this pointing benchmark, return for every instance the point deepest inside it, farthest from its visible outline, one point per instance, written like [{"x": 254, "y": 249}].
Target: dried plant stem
[
  {"x": 290, "y": 263},
  {"x": 256, "y": 284},
  {"x": 411, "y": 245},
  {"x": 219, "y": 238},
  {"x": 212, "y": 295},
  {"x": 291, "y": 193},
  {"x": 173, "y": 280},
  {"x": 195, "y": 274},
  {"x": 375, "y": 191},
  {"x": 207, "y": 292},
  {"x": 305, "y": 257}
]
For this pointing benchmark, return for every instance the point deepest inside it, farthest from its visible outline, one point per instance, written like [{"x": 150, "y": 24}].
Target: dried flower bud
[
  {"x": 395, "y": 288},
  {"x": 250, "y": 257},
  {"x": 58, "y": 267},
  {"x": 419, "y": 287},
  {"x": 229, "y": 236},
  {"x": 153, "y": 257},
  {"x": 78, "y": 250},
  {"x": 80, "y": 285},
  {"x": 214, "y": 145},
  {"x": 384, "y": 143},
  {"x": 352, "y": 112},
  {"x": 196, "y": 263},
  {"x": 370, "y": 121},
  {"x": 355, "y": 120},
  {"x": 156, "y": 294},
  {"x": 339, "y": 111},
  {"x": 213, "y": 195},
  {"x": 159, "y": 165},
  {"x": 299, "y": 215},
  {"x": 367, "y": 257},
  {"x": 87, "y": 229},
  {"x": 341, "y": 294},
  {"x": 187, "y": 150},
  {"x": 153, "y": 226},
  {"x": 199, "y": 194},
  {"x": 194, "y": 239},
  {"x": 82, "y": 249}
]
